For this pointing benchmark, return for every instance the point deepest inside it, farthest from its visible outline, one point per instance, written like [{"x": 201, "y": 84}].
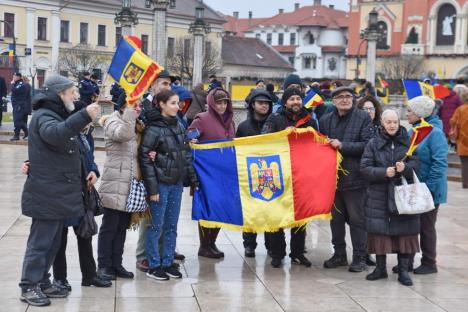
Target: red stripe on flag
[
  {"x": 150, "y": 75},
  {"x": 312, "y": 162}
]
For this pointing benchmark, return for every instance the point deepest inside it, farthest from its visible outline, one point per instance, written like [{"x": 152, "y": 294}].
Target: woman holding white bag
[{"x": 382, "y": 166}]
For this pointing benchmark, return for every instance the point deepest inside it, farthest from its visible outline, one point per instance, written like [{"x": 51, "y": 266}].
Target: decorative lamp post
[
  {"x": 199, "y": 29},
  {"x": 15, "y": 63},
  {"x": 371, "y": 34},
  {"x": 160, "y": 7},
  {"x": 126, "y": 18}
]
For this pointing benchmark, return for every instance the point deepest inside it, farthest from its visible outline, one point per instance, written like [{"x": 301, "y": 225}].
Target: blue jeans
[{"x": 164, "y": 219}]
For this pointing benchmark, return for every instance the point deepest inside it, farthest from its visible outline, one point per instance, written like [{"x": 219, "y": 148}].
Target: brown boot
[{"x": 205, "y": 250}]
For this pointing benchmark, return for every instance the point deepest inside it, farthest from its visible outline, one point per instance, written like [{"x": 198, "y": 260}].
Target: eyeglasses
[
  {"x": 368, "y": 109},
  {"x": 343, "y": 97}
]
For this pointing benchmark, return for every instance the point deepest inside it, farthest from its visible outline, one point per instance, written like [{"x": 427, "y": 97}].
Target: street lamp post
[
  {"x": 371, "y": 35},
  {"x": 126, "y": 18},
  {"x": 15, "y": 64},
  {"x": 199, "y": 29},
  {"x": 160, "y": 7}
]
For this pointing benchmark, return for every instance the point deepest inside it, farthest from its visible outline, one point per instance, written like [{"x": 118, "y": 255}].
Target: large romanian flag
[
  {"x": 416, "y": 88},
  {"x": 132, "y": 69},
  {"x": 265, "y": 182}
]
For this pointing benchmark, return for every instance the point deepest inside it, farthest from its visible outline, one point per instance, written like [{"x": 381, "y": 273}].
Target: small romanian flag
[
  {"x": 419, "y": 134},
  {"x": 265, "y": 182},
  {"x": 383, "y": 83},
  {"x": 133, "y": 70},
  {"x": 416, "y": 88},
  {"x": 312, "y": 99},
  {"x": 11, "y": 53}
]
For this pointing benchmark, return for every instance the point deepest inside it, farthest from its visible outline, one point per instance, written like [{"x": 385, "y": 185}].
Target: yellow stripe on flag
[{"x": 427, "y": 89}]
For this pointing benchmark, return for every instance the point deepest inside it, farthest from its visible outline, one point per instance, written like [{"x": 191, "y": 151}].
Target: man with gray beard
[{"x": 53, "y": 189}]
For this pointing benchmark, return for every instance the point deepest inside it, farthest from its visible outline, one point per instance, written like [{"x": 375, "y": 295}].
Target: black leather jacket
[{"x": 173, "y": 161}]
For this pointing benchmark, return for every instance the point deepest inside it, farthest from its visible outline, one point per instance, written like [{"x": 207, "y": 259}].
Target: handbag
[
  {"x": 413, "y": 198},
  {"x": 88, "y": 226},
  {"x": 136, "y": 201}
]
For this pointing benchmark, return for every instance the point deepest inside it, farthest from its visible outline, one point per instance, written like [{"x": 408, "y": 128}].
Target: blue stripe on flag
[
  {"x": 218, "y": 198},
  {"x": 413, "y": 89},
  {"x": 122, "y": 55}
]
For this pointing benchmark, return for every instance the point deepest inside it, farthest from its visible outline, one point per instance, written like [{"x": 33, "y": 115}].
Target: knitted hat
[
  {"x": 57, "y": 84},
  {"x": 422, "y": 106},
  {"x": 291, "y": 79},
  {"x": 290, "y": 92}
]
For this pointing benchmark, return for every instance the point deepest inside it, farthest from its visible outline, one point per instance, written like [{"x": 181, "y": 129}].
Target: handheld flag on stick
[
  {"x": 416, "y": 88},
  {"x": 133, "y": 70},
  {"x": 312, "y": 99},
  {"x": 419, "y": 134},
  {"x": 383, "y": 83},
  {"x": 265, "y": 182},
  {"x": 11, "y": 53}
]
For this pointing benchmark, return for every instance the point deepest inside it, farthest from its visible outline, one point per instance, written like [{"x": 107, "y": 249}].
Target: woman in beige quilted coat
[{"x": 121, "y": 132}]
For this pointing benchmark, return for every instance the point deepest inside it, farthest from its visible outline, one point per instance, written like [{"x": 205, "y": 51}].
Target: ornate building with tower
[{"x": 435, "y": 30}]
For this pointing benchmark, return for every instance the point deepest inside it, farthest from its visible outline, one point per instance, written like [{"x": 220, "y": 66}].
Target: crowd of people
[{"x": 149, "y": 142}]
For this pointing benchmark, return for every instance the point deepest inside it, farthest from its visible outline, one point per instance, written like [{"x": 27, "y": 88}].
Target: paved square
[{"x": 237, "y": 283}]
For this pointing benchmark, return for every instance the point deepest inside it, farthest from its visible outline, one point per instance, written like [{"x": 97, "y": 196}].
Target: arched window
[
  {"x": 383, "y": 31},
  {"x": 446, "y": 23}
]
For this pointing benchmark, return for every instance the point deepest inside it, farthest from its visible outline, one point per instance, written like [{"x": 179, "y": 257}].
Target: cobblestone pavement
[{"x": 237, "y": 283}]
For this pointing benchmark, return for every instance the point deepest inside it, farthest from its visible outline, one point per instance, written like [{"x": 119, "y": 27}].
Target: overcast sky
[{"x": 266, "y": 8}]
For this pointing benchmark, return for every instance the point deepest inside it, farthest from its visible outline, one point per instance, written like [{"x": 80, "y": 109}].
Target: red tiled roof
[
  {"x": 333, "y": 49},
  {"x": 313, "y": 15},
  {"x": 285, "y": 48},
  {"x": 238, "y": 26}
]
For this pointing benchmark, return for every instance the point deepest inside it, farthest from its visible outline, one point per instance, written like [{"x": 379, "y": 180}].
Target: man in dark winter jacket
[
  {"x": 116, "y": 91},
  {"x": 259, "y": 108},
  {"x": 53, "y": 189},
  {"x": 292, "y": 114},
  {"x": 21, "y": 102},
  {"x": 88, "y": 89},
  {"x": 349, "y": 129}
]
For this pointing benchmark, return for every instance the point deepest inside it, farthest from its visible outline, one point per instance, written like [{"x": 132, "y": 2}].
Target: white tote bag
[{"x": 413, "y": 198}]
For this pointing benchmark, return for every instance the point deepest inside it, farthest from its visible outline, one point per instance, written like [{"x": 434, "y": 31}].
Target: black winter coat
[
  {"x": 283, "y": 119},
  {"x": 173, "y": 161},
  {"x": 21, "y": 97},
  {"x": 383, "y": 152},
  {"x": 354, "y": 130},
  {"x": 53, "y": 188},
  {"x": 250, "y": 127}
]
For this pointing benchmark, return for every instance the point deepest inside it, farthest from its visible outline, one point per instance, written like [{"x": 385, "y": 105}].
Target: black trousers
[
  {"x": 111, "y": 239},
  {"x": 85, "y": 254},
  {"x": 349, "y": 208},
  {"x": 43, "y": 243},
  {"x": 250, "y": 240},
  {"x": 277, "y": 242},
  {"x": 20, "y": 122}
]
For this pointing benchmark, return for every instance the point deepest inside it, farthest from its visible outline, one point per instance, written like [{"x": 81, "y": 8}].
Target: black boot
[
  {"x": 380, "y": 270},
  {"x": 403, "y": 276}
]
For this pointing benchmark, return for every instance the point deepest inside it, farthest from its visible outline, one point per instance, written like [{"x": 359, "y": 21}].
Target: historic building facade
[
  {"x": 435, "y": 29},
  {"x": 46, "y": 30}
]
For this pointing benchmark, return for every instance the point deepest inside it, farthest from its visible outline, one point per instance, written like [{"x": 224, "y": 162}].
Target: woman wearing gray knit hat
[{"x": 432, "y": 154}]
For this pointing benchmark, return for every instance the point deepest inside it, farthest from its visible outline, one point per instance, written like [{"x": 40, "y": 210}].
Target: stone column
[
  {"x": 159, "y": 47},
  {"x": 198, "y": 56},
  {"x": 371, "y": 58},
  {"x": 459, "y": 32},
  {"x": 30, "y": 35},
  {"x": 432, "y": 34},
  {"x": 55, "y": 41},
  {"x": 127, "y": 30}
]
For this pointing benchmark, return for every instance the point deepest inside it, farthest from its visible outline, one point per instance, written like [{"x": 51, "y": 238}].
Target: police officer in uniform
[
  {"x": 88, "y": 89},
  {"x": 21, "y": 102}
]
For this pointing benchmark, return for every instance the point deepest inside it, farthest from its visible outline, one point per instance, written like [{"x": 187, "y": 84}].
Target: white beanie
[{"x": 422, "y": 106}]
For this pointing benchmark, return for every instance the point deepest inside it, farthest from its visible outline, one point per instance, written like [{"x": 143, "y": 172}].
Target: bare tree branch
[
  {"x": 82, "y": 57},
  {"x": 181, "y": 60},
  {"x": 403, "y": 67}
]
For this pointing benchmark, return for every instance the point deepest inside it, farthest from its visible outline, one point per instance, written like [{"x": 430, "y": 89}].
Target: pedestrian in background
[{"x": 21, "y": 103}]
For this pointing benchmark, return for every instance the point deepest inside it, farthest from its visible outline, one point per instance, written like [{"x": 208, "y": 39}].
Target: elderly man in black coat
[
  {"x": 349, "y": 130},
  {"x": 53, "y": 189}
]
